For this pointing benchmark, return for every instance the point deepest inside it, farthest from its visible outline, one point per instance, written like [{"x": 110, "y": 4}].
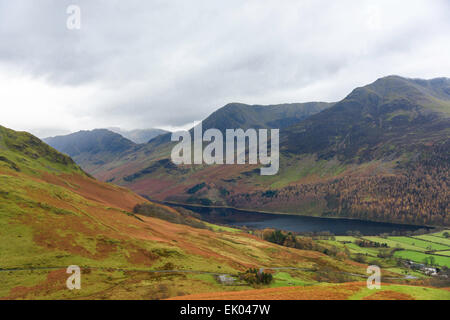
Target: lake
[{"x": 259, "y": 220}]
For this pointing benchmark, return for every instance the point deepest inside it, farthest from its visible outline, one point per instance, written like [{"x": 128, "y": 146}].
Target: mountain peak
[
  {"x": 93, "y": 142},
  {"x": 139, "y": 136},
  {"x": 244, "y": 116},
  {"x": 18, "y": 150},
  {"x": 432, "y": 95},
  {"x": 372, "y": 115}
]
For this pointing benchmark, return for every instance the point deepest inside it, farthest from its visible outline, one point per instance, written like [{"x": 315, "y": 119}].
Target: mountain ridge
[
  {"x": 138, "y": 136},
  {"x": 388, "y": 106},
  {"x": 251, "y": 116},
  {"x": 392, "y": 132}
]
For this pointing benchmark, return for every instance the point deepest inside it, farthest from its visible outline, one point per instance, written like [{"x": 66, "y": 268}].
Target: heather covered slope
[
  {"x": 381, "y": 154},
  {"x": 344, "y": 291},
  {"x": 53, "y": 215}
]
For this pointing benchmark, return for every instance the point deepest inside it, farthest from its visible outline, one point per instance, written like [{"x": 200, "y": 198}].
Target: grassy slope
[
  {"x": 346, "y": 291},
  {"x": 52, "y": 215},
  {"x": 287, "y": 287}
]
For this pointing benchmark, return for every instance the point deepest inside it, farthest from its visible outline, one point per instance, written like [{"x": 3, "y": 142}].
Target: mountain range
[
  {"x": 382, "y": 154},
  {"x": 388, "y": 162},
  {"x": 138, "y": 135}
]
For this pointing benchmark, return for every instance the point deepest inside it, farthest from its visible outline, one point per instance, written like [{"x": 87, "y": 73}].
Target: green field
[
  {"x": 441, "y": 234},
  {"x": 219, "y": 228},
  {"x": 393, "y": 243},
  {"x": 421, "y": 243},
  {"x": 435, "y": 239},
  {"x": 284, "y": 279},
  {"x": 416, "y": 248},
  {"x": 366, "y": 251},
  {"x": 345, "y": 238},
  {"x": 420, "y": 257},
  {"x": 443, "y": 253}
]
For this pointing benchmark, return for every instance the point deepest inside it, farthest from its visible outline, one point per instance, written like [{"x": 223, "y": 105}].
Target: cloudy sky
[{"x": 139, "y": 64}]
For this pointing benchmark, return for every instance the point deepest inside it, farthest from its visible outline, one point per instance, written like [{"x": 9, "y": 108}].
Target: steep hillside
[
  {"x": 138, "y": 160},
  {"x": 24, "y": 152},
  {"x": 92, "y": 148},
  {"x": 390, "y": 139},
  {"x": 381, "y": 154},
  {"x": 387, "y": 118},
  {"x": 53, "y": 215},
  {"x": 345, "y": 291}
]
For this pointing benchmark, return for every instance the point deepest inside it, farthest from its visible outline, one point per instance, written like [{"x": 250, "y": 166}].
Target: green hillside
[
  {"x": 23, "y": 152},
  {"x": 52, "y": 215}
]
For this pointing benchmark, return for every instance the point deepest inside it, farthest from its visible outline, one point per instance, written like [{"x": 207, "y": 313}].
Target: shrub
[
  {"x": 185, "y": 217},
  {"x": 254, "y": 276}
]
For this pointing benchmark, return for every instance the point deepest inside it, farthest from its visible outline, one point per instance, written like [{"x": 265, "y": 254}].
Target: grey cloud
[{"x": 159, "y": 63}]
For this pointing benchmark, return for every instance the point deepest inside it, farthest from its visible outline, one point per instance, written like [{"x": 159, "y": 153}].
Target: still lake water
[{"x": 258, "y": 220}]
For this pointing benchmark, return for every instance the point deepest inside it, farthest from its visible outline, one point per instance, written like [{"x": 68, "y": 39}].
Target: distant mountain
[
  {"x": 95, "y": 141},
  {"x": 381, "y": 154},
  {"x": 238, "y": 115},
  {"x": 244, "y": 116},
  {"x": 139, "y": 135},
  {"x": 101, "y": 150},
  {"x": 91, "y": 148}
]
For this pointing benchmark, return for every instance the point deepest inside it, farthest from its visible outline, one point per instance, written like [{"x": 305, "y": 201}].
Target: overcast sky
[{"x": 140, "y": 64}]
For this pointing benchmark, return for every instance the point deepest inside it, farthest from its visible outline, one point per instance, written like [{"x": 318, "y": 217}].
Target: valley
[
  {"x": 53, "y": 215},
  {"x": 170, "y": 152},
  {"x": 381, "y": 154},
  {"x": 363, "y": 181}
]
